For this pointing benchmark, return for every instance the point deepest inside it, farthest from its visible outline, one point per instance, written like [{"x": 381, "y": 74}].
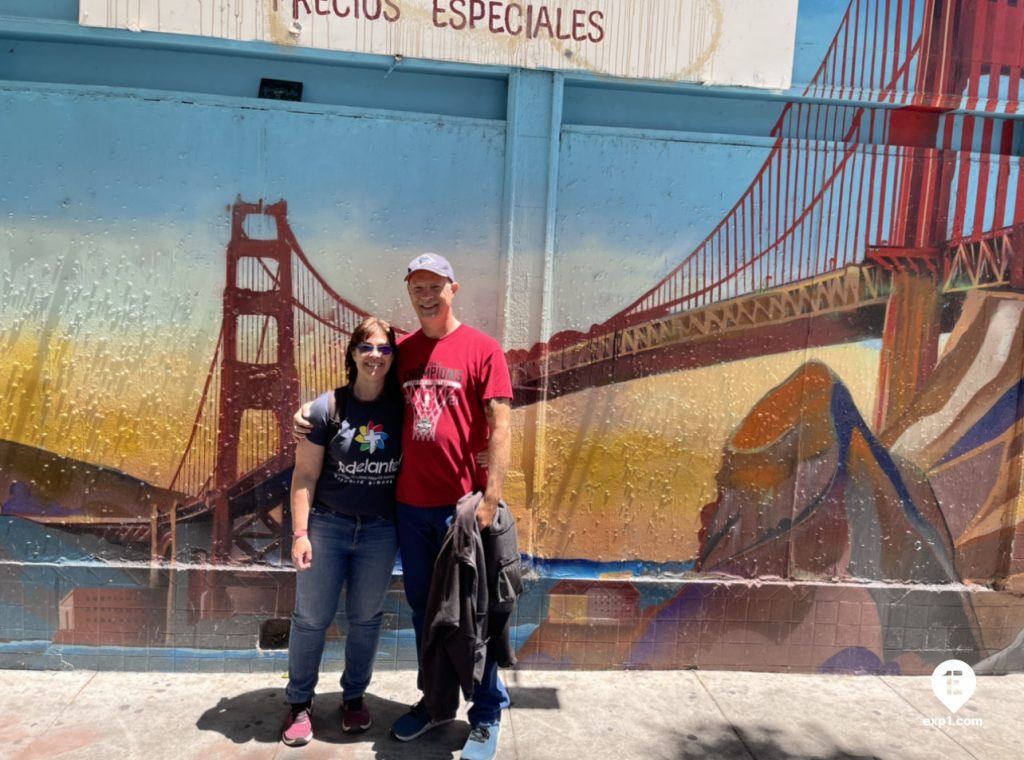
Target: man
[{"x": 458, "y": 395}]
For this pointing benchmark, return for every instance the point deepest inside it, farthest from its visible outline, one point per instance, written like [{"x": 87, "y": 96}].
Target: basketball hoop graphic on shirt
[{"x": 428, "y": 398}]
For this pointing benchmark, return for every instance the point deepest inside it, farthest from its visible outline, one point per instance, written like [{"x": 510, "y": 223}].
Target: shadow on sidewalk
[
  {"x": 257, "y": 716},
  {"x": 252, "y": 716},
  {"x": 725, "y": 742},
  {"x": 534, "y": 697}
]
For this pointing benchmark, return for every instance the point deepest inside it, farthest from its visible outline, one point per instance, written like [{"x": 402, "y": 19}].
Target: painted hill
[
  {"x": 965, "y": 431},
  {"x": 38, "y": 483},
  {"x": 806, "y": 491}
]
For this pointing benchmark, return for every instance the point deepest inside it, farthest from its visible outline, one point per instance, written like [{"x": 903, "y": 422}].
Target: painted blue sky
[
  {"x": 816, "y": 24},
  {"x": 92, "y": 178},
  {"x": 144, "y": 184}
]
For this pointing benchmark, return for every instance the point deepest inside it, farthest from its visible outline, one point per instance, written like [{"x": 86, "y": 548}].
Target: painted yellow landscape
[{"x": 628, "y": 467}]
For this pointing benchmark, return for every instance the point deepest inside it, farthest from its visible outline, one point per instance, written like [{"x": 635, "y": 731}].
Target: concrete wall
[{"x": 727, "y": 497}]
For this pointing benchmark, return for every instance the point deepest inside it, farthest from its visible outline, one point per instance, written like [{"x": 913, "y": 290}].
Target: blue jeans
[
  {"x": 359, "y": 554},
  {"x": 420, "y": 534}
]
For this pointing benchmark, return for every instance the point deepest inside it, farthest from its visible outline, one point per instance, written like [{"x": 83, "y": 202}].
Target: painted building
[{"x": 765, "y": 323}]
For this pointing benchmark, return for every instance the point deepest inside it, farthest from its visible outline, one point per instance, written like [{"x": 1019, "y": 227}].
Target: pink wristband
[{"x": 300, "y": 534}]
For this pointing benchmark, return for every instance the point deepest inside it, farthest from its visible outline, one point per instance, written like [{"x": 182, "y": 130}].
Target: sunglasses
[{"x": 368, "y": 348}]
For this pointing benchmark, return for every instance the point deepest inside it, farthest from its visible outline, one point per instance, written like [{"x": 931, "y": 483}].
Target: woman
[{"x": 342, "y": 502}]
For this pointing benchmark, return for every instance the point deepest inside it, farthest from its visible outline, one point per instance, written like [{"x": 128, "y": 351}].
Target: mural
[{"x": 774, "y": 421}]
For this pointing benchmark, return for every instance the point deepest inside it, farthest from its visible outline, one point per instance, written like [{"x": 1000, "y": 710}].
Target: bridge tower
[
  {"x": 953, "y": 39},
  {"x": 257, "y": 371}
]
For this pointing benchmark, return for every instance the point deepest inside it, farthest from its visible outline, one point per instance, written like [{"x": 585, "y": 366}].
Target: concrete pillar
[{"x": 534, "y": 119}]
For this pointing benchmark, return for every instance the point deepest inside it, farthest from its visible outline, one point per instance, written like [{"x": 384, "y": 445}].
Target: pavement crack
[
  {"x": 83, "y": 687},
  {"x": 920, "y": 712},
  {"x": 60, "y": 713},
  {"x": 721, "y": 712}
]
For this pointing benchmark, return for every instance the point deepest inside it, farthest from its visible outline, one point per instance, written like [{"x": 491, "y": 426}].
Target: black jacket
[{"x": 476, "y": 580}]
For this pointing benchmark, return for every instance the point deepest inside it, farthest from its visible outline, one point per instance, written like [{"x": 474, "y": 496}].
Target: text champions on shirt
[{"x": 518, "y": 19}]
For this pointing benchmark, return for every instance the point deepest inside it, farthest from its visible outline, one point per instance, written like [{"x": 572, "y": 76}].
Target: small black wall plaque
[{"x": 280, "y": 89}]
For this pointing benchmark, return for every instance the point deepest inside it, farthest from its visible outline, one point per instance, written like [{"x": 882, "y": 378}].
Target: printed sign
[{"x": 728, "y": 42}]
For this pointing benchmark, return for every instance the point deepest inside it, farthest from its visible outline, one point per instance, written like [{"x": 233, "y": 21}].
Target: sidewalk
[{"x": 590, "y": 715}]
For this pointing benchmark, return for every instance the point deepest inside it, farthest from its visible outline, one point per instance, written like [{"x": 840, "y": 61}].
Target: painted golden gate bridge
[{"x": 890, "y": 188}]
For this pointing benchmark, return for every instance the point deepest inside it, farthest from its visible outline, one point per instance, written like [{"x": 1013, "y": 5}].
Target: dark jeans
[
  {"x": 357, "y": 553},
  {"x": 420, "y": 533}
]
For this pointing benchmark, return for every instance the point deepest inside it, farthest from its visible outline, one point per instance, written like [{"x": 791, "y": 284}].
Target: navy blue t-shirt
[{"x": 361, "y": 462}]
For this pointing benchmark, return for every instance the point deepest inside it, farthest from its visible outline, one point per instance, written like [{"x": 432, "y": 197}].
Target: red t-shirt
[{"x": 446, "y": 383}]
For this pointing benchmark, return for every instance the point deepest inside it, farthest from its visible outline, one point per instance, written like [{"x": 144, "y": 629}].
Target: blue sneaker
[
  {"x": 415, "y": 723},
  {"x": 482, "y": 743}
]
